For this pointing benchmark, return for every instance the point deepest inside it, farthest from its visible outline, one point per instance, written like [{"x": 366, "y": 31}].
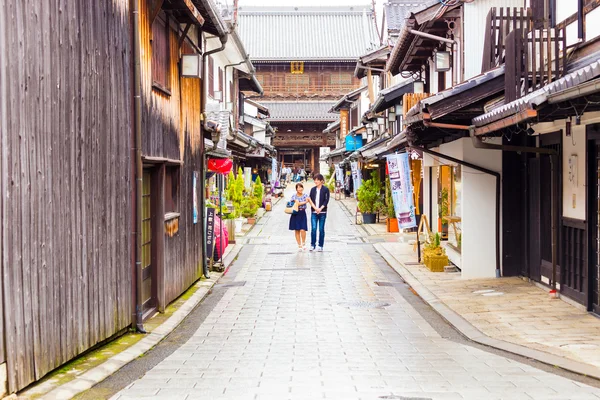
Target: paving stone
[{"x": 284, "y": 335}]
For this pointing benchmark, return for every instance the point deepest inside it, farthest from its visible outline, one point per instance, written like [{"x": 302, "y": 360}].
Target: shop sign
[
  {"x": 344, "y": 123},
  {"x": 356, "y": 175},
  {"x": 210, "y": 232},
  {"x": 402, "y": 191},
  {"x": 195, "y": 197}
]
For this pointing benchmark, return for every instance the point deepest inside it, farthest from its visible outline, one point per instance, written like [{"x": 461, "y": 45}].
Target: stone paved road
[{"x": 316, "y": 325}]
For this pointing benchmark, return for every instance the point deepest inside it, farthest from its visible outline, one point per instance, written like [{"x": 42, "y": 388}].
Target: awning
[
  {"x": 399, "y": 141},
  {"x": 215, "y": 152},
  {"x": 464, "y": 94},
  {"x": 371, "y": 150},
  {"x": 527, "y": 106},
  {"x": 424, "y": 18},
  {"x": 184, "y": 11},
  {"x": 390, "y": 96},
  {"x": 348, "y": 99},
  {"x": 332, "y": 127},
  {"x": 251, "y": 84}
]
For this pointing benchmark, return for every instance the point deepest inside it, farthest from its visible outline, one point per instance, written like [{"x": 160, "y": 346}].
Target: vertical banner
[
  {"x": 356, "y": 175},
  {"x": 247, "y": 177},
  {"x": 399, "y": 173},
  {"x": 274, "y": 173},
  {"x": 339, "y": 174},
  {"x": 210, "y": 232},
  {"x": 344, "y": 124},
  {"x": 195, "y": 197}
]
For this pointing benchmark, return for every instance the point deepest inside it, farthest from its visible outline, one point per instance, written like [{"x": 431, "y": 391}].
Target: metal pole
[{"x": 220, "y": 177}]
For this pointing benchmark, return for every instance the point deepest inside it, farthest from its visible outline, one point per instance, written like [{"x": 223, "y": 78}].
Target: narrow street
[{"x": 337, "y": 325}]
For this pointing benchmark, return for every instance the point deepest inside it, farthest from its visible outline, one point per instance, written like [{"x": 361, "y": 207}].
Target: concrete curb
[
  {"x": 97, "y": 374},
  {"x": 472, "y": 333}
]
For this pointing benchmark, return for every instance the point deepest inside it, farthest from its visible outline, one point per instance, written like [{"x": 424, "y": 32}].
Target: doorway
[
  {"x": 149, "y": 204},
  {"x": 593, "y": 216}
]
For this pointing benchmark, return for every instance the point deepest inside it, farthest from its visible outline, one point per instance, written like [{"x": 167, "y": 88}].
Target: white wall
[
  {"x": 478, "y": 207},
  {"x": 475, "y": 15}
]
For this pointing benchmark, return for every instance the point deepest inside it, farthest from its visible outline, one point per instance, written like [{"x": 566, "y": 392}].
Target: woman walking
[{"x": 298, "y": 221}]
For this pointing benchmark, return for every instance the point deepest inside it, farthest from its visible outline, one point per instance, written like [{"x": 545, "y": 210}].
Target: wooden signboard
[{"x": 344, "y": 124}]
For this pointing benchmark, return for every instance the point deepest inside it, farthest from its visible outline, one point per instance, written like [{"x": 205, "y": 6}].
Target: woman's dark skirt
[{"x": 299, "y": 222}]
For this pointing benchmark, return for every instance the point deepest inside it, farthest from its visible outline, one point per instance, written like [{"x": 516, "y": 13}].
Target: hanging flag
[{"x": 399, "y": 173}]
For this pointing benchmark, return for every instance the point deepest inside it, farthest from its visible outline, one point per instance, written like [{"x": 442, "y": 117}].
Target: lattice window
[
  {"x": 341, "y": 79},
  {"x": 297, "y": 80}
]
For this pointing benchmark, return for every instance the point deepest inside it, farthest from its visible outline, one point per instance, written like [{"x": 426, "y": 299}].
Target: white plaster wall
[
  {"x": 478, "y": 208},
  {"x": 259, "y": 133},
  {"x": 592, "y": 25},
  {"x": 475, "y": 15},
  {"x": 250, "y": 110}
]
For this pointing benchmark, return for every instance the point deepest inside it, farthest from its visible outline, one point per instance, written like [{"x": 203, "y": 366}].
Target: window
[
  {"x": 221, "y": 82},
  {"x": 341, "y": 79},
  {"x": 172, "y": 189},
  {"x": 161, "y": 55},
  {"x": 297, "y": 80},
  {"x": 211, "y": 77}
]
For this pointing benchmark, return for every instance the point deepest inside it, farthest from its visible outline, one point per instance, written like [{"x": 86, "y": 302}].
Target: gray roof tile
[
  {"x": 300, "y": 110},
  {"x": 307, "y": 33}
]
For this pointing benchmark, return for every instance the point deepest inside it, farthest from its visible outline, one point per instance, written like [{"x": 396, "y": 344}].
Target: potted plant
[
  {"x": 249, "y": 208},
  {"x": 434, "y": 255},
  {"x": 392, "y": 221},
  {"x": 443, "y": 211},
  {"x": 369, "y": 199},
  {"x": 258, "y": 193},
  {"x": 235, "y": 193}
]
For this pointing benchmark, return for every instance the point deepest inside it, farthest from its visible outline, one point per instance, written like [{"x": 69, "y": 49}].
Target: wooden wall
[
  {"x": 65, "y": 129},
  {"x": 171, "y": 129}
]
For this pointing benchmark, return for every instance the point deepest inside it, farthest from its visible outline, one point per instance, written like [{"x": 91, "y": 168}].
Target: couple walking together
[{"x": 318, "y": 199}]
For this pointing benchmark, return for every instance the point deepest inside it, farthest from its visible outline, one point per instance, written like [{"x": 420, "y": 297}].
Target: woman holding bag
[{"x": 298, "y": 220}]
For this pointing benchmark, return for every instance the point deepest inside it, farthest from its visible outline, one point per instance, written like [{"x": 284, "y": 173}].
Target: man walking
[{"x": 319, "y": 198}]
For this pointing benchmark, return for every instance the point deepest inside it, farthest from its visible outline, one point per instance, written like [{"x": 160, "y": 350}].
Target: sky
[{"x": 266, "y": 3}]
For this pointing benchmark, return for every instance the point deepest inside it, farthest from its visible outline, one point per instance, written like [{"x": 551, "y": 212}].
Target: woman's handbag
[{"x": 291, "y": 207}]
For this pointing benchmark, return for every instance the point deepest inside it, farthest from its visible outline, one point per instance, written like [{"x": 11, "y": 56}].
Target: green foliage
[
  {"x": 249, "y": 207},
  {"x": 459, "y": 240},
  {"x": 444, "y": 211},
  {"x": 389, "y": 201},
  {"x": 369, "y": 195},
  {"x": 258, "y": 191},
  {"x": 235, "y": 192}
]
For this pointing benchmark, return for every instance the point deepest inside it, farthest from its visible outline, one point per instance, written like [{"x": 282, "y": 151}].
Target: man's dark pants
[{"x": 317, "y": 222}]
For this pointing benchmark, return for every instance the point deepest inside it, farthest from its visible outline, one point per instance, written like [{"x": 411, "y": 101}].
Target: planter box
[
  {"x": 369, "y": 218},
  {"x": 436, "y": 263},
  {"x": 392, "y": 225},
  {"x": 230, "y": 224}
]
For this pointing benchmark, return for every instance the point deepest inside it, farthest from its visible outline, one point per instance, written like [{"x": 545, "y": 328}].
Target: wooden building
[
  {"x": 69, "y": 119},
  {"x": 302, "y": 82}
]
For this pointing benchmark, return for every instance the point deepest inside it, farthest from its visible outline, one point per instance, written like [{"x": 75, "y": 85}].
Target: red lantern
[{"x": 220, "y": 165}]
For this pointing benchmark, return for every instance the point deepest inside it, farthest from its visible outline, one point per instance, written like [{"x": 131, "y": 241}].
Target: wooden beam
[
  {"x": 193, "y": 11},
  {"x": 157, "y": 5},
  {"x": 505, "y": 122}
]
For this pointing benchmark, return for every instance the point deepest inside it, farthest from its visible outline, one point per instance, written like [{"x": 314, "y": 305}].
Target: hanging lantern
[{"x": 220, "y": 165}]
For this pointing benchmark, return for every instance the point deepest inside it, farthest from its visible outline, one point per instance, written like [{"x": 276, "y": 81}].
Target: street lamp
[{"x": 443, "y": 61}]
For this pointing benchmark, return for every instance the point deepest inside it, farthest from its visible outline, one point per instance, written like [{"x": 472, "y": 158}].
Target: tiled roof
[
  {"x": 307, "y": 33},
  {"x": 396, "y": 12},
  {"x": 300, "y": 110}
]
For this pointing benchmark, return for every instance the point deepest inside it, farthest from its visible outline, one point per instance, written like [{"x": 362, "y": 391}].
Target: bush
[
  {"x": 369, "y": 195},
  {"x": 235, "y": 192},
  {"x": 249, "y": 207},
  {"x": 258, "y": 191}
]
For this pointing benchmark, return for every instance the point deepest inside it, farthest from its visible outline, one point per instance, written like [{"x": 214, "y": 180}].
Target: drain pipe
[
  {"x": 479, "y": 144},
  {"x": 137, "y": 126},
  {"x": 485, "y": 171}
]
